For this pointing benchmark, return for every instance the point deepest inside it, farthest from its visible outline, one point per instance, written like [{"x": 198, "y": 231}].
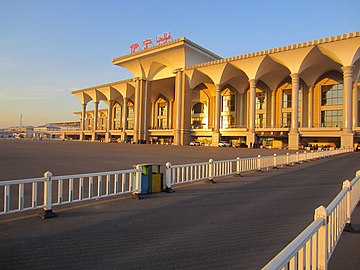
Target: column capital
[
  {"x": 177, "y": 70},
  {"x": 347, "y": 70},
  {"x": 253, "y": 82},
  {"x": 295, "y": 76},
  {"x": 218, "y": 87},
  {"x": 96, "y": 102}
]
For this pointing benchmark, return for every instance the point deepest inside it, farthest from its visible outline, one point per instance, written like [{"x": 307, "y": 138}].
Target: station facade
[{"x": 293, "y": 96}]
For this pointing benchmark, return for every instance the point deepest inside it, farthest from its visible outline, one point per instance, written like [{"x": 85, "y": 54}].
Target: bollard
[
  {"x": 47, "y": 211},
  {"x": 238, "y": 166},
  {"x": 259, "y": 163},
  {"x": 211, "y": 172},
  {"x": 297, "y": 157},
  {"x": 168, "y": 178},
  {"x": 275, "y": 162},
  {"x": 287, "y": 159}
]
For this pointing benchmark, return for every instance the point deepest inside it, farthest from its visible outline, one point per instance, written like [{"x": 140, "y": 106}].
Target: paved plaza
[{"x": 237, "y": 223}]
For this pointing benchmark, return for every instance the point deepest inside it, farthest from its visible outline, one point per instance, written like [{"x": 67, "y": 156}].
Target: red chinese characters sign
[{"x": 147, "y": 43}]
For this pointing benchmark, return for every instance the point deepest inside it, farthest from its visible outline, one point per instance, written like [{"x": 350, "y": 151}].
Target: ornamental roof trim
[
  {"x": 102, "y": 85},
  {"x": 279, "y": 49}
]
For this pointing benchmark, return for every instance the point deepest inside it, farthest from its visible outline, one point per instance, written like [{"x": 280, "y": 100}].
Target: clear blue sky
[{"x": 50, "y": 48}]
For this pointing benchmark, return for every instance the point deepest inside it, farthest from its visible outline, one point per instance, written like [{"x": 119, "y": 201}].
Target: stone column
[
  {"x": 136, "y": 110},
  {"x": 355, "y": 105},
  {"x": 294, "y": 130},
  {"x": 250, "y": 138},
  {"x": 145, "y": 109},
  {"x": 347, "y": 138},
  {"x": 170, "y": 113},
  {"x": 95, "y": 125},
  {"x": 217, "y": 112},
  {"x": 241, "y": 108},
  {"x": 109, "y": 121},
  {"x": 153, "y": 115},
  {"x": 83, "y": 121},
  {"x": 124, "y": 118},
  {"x": 178, "y": 108},
  {"x": 310, "y": 106},
  {"x": 273, "y": 109}
]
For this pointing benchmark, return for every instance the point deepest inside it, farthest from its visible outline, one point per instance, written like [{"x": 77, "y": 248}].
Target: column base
[
  {"x": 215, "y": 139},
  {"x": 107, "y": 137},
  {"x": 250, "y": 139},
  {"x": 46, "y": 214},
  {"x": 177, "y": 138},
  {"x": 82, "y": 136},
  {"x": 294, "y": 140},
  {"x": 347, "y": 140}
]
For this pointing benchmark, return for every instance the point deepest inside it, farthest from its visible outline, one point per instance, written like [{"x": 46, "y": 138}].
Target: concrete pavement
[{"x": 238, "y": 223}]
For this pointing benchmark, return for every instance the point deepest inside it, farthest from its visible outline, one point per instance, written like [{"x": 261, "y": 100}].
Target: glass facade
[
  {"x": 286, "y": 119},
  {"x": 161, "y": 113},
  {"x": 117, "y": 117},
  {"x": 332, "y": 94},
  {"x": 199, "y": 118},
  {"x": 286, "y": 98},
  {"x": 332, "y": 118},
  {"x": 227, "y": 109},
  {"x": 130, "y": 114},
  {"x": 260, "y": 120}
]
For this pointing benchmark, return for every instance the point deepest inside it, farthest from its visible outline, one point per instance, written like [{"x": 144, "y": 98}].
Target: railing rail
[
  {"x": 313, "y": 248},
  {"x": 186, "y": 173},
  {"x": 49, "y": 190}
]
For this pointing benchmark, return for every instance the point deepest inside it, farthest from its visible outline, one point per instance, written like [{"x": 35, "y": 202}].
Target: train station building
[{"x": 293, "y": 96}]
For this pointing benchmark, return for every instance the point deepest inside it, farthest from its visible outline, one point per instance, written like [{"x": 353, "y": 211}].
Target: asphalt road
[{"x": 237, "y": 223}]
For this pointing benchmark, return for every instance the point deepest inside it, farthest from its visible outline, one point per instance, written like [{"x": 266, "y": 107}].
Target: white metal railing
[
  {"x": 313, "y": 248},
  {"x": 50, "y": 190},
  {"x": 183, "y": 173}
]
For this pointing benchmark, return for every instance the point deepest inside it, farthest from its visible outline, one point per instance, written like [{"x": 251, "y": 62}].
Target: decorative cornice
[
  {"x": 102, "y": 85},
  {"x": 279, "y": 49}
]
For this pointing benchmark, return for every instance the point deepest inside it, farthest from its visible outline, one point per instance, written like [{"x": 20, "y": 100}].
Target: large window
[
  {"x": 259, "y": 120},
  {"x": 260, "y": 107},
  {"x": 286, "y": 98},
  {"x": 228, "y": 101},
  {"x": 117, "y": 116},
  {"x": 228, "y": 109},
  {"x": 199, "y": 119},
  {"x": 286, "y": 119},
  {"x": 331, "y": 94},
  {"x": 161, "y": 113},
  {"x": 260, "y": 100},
  {"x": 130, "y": 114},
  {"x": 332, "y": 118}
]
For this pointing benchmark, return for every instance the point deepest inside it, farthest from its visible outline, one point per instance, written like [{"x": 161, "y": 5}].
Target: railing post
[
  {"x": 238, "y": 168},
  {"x": 322, "y": 255},
  {"x": 168, "y": 178},
  {"x": 47, "y": 211},
  {"x": 347, "y": 185},
  {"x": 259, "y": 163},
  {"x": 275, "y": 162},
  {"x": 211, "y": 172},
  {"x": 138, "y": 174}
]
